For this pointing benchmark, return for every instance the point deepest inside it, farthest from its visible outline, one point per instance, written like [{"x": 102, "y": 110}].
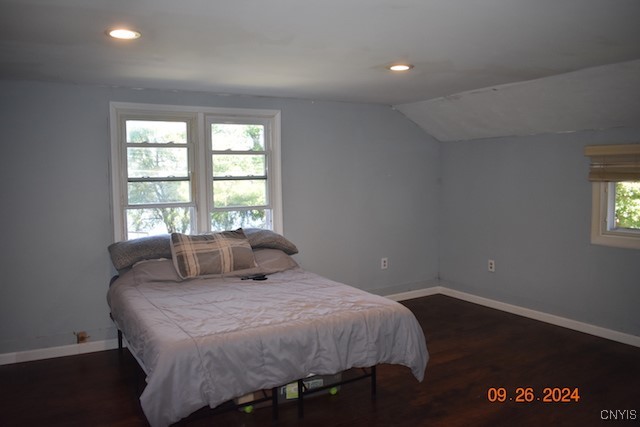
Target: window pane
[
  {"x": 157, "y": 132},
  {"x": 239, "y": 193},
  {"x": 151, "y": 221},
  {"x": 157, "y": 162},
  {"x": 237, "y": 137},
  {"x": 628, "y": 205},
  {"x": 231, "y": 220},
  {"x": 238, "y": 165},
  {"x": 158, "y": 192}
]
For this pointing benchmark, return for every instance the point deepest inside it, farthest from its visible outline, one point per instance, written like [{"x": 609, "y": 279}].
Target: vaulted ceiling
[{"x": 474, "y": 61}]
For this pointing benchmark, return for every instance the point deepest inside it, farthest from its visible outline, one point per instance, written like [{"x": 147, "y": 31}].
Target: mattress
[{"x": 204, "y": 341}]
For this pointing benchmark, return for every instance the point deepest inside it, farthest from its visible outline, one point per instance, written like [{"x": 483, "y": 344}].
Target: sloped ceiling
[
  {"x": 596, "y": 98},
  {"x": 337, "y": 50}
]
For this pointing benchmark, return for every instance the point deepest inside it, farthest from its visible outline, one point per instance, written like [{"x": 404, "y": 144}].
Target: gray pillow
[
  {"x": 260, "y": 238},
  {"x": 125, "y": 254},
  {"x": 163, "y": 271},
  {"x": 273, "y": 260}
]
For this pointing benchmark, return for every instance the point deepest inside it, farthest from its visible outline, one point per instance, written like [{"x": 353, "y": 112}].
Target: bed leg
[
  {"x": 274, "y": 403},
  {"x": 373, "y": 382},
  {"x": 300, "y": 399}
]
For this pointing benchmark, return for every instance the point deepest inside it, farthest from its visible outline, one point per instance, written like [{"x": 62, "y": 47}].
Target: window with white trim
[
  {"x": 615, "y": 173},
  {"x": 193, "y": 169}
]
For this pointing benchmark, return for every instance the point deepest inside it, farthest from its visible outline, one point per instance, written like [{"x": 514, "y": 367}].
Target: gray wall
[
  {"x": 526, "y": 203},
  {"x": 359, "y": 182}
]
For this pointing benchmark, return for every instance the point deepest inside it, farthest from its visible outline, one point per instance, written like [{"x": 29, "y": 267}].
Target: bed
[{"x": 206, "y": 332}]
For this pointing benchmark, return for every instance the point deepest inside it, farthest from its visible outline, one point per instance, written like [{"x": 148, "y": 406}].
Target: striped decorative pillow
[{"x": 215, "y": 253}]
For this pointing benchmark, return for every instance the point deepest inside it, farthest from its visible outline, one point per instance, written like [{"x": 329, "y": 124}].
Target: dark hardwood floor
[{"x": 472, "y": 349}]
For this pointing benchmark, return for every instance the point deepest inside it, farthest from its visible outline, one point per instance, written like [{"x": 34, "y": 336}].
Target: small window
[
  {"x": 626, "y": 206},
  {"x": 616, "y": 214},
  {"x": 615, "y": 173},
  {"x": 159, "y": 195},
  {"x": 193, "y": 170},
  {"x": 239, "y": 162}
]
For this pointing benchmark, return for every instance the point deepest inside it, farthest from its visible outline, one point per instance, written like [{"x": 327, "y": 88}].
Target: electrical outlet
[
  {"x": 384, "y": 263},
  {"x": 81, "y": 337},
  {"x": 491, "y": 266}
]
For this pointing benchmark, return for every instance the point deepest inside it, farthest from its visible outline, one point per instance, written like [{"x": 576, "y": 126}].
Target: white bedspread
[{"x": 203, "y": 342}]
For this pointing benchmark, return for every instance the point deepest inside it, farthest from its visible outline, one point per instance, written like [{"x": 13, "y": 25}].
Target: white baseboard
[
  {"x": 525, "y": 312},
  {"x": 418, "y": 293},
  {"x": 90, "y": 347},
  {"x": 51, "y": 352}
]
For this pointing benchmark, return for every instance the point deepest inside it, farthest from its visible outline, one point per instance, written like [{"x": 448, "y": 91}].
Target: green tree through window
[
  {"x": 239, "y": 176},
  {"x": 154, "y": 162},
  {"x": 627, "y": 204},
  {"x": 193, "y": 169}
]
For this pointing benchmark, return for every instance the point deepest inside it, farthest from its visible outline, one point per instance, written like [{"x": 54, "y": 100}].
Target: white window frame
[
  {"x": 201, "y": 167},
  {"x": 603, "y": 231}
]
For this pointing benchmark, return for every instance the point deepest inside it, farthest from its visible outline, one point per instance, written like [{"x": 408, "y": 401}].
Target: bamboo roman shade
[{"x": 614, "y": 162}]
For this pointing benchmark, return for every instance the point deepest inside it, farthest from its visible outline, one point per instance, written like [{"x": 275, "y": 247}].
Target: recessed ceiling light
[
  {"x": 123, "y": 34},
  {"x": 400, "y": 67}
]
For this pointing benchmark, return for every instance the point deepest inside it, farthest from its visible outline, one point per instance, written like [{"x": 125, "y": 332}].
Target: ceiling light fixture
[
  {"x": 400, "y": 67},
  {"x": 124, "y": 34}
]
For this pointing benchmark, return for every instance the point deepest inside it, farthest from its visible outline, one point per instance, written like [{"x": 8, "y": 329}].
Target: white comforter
[{"x": 203, "y": 342}]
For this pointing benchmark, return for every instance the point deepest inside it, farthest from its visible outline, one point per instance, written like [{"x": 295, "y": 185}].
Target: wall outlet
[
  {"x": 491, "y": 266},
  {"x": 384, "y": 263},
  {"x": 81, "y": 337}
]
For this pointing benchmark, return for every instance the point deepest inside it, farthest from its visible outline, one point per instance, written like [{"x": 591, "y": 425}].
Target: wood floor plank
[{"x": 472, "y": 348}]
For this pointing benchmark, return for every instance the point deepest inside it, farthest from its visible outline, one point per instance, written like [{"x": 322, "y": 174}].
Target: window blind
[{"x": 614, "y": 162}]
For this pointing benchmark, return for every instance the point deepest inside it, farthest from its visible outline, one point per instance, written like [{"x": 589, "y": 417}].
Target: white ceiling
[
  {"x": 325, "y": 50},
  {"x": 595, "y": 98}
]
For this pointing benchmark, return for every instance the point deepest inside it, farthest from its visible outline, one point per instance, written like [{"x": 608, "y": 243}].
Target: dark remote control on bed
[{"x": 255, "y": 277}]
